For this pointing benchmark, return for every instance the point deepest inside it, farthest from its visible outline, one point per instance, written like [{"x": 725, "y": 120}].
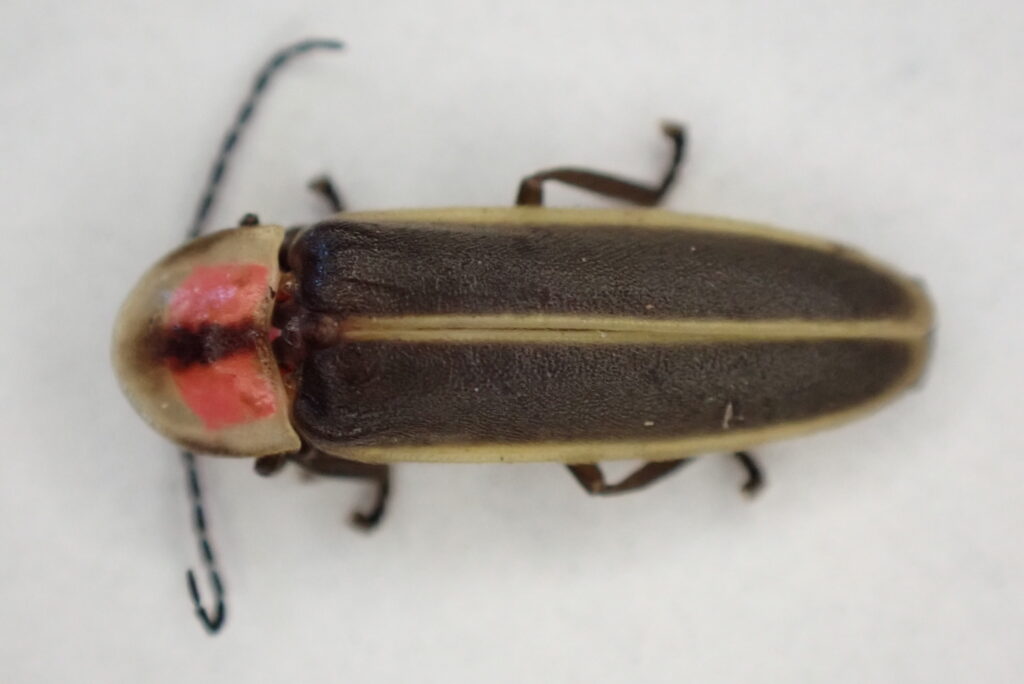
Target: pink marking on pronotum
[
  {"x": 237, "y": 388},
  {"x": 228, "y": 392},
  {"x": 224, "y": 294}
]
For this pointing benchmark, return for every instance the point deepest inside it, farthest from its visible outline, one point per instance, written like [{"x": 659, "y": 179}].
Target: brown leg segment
[
  {"x": 531, "y": 191},
  {"x": 324, "y": 464},
  {"x": 755, "y": 477},
  {"x": 269, "y": 465},
  {"x": 324, "y": 186},
  {"x": 590, "y": 476}
]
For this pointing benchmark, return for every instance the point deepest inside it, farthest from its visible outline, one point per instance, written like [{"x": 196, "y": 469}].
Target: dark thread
[
  {"x": 244, "y": 114},
  {"x": 213, "y": 622}
]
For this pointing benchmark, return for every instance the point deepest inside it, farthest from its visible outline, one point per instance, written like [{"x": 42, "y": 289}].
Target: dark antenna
[
  {"x": 213, "y": 621},
  {"x": 195, "y": 495}
]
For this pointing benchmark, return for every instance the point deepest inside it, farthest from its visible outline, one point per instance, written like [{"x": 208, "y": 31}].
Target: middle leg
[
  {"x": 531, "y": 190},
  {"x": 591, "y": 477},
  {"x": 320, "y": 463}
]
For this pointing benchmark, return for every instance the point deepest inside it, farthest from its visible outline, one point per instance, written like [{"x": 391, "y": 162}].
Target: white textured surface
[{"x": 885, "y": 551}]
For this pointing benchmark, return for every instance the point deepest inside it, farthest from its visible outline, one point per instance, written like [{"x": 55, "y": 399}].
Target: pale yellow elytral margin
[
  {"x": 553, "y": 329},
  {"x": 476, "y": 218},
  {"x": 483, "y": 219}
]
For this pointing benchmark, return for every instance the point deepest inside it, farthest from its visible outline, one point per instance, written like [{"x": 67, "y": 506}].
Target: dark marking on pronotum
[{"x": 209, "y": 342}]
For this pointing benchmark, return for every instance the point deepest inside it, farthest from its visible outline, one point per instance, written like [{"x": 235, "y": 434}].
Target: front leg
[{"x": 325, "y": 188}]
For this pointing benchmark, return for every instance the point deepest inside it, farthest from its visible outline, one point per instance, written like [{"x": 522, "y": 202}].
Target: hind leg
[{"x": 591, "y": 477}]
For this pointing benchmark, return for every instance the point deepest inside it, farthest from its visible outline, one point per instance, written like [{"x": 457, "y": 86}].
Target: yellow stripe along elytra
[{"x": 547, "y": 329}]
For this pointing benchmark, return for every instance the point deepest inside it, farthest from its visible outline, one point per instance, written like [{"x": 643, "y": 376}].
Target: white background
[{"x": 888, "y": 550}]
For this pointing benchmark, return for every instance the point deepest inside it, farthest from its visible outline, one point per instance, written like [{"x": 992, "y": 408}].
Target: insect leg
[
  {"x": 755, "y": 477},
  {"x": 592, "y": 479},
  {"x": 324, "y": 186},
  {"x": 268, "y": 465},
  {"x": 531, "y": 191},
  {"x": 325, "y": 464}
]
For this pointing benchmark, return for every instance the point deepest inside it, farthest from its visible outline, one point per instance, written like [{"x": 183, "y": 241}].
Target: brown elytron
[{"x": 391, "y": 268}]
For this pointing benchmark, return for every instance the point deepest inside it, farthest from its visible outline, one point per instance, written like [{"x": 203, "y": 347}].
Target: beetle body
[{"x": 522, "y": 334}]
